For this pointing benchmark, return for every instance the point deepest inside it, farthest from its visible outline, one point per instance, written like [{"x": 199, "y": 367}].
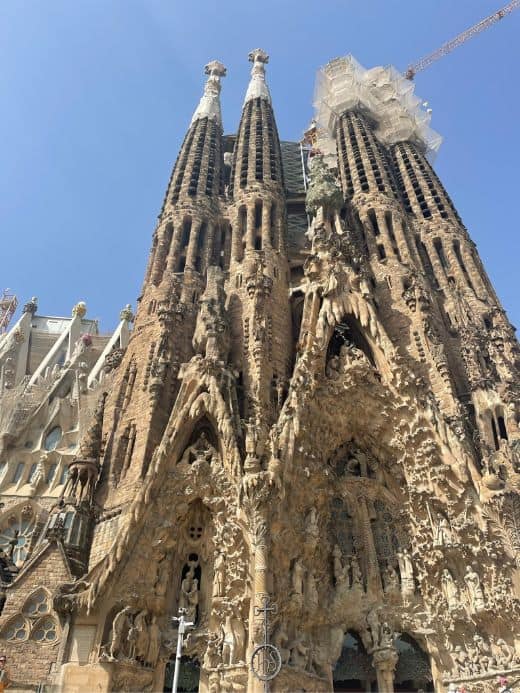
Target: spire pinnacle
[
  {"x": 209, "y": 105},
  {"x": 257, "y": 86}
]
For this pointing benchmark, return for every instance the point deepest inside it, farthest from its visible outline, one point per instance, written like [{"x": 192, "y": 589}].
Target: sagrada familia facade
[{"x": 308, "y": 442}]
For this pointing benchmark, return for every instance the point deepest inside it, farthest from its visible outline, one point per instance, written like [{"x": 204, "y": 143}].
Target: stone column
[{"x": 385, "y": 661}]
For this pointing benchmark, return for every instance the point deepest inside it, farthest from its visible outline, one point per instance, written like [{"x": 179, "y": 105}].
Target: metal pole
[{"x": 182, "y": 629}]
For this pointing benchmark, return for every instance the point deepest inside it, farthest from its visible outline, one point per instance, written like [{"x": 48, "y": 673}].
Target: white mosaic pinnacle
[
  {"x": 209, "y": 105},
  {"x": 257, "y": 86}
]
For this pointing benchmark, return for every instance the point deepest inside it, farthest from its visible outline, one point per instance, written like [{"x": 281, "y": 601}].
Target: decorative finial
[
  {"x": 127, "y": 314},
  {"x": 80, "y": 309},
  {"x": 215, "y": 68},
  {"x": 257, "y": 55},
  {"x": 209, "y": 105},
  {"x": 257, "y": 86}
]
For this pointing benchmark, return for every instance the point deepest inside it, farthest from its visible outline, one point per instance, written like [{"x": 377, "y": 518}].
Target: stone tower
[{"x": 309, "y": 442}]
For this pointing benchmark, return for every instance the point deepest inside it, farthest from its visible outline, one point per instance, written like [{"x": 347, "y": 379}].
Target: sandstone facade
[{"x": 313, "y": 422}]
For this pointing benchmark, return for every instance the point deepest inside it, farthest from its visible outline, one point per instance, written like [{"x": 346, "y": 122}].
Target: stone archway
[
  {"x": 353, "y": 671},
  {"x": 413, "y": 671}
]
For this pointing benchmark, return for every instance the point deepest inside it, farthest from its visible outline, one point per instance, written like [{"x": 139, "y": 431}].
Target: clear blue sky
[{"x": 96, "y": 95}]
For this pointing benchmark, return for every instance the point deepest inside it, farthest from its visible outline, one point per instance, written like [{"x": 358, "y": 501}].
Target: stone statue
[
  {"x": 213, "y": 654},
  {"x": 450, "y": 589},
  {"x": 390, "y": 579},
  {"x": 475, "y": 593},
  {"x": 311, "y": 523},
  {"x": 154, "y": 643},
  {"x": 219, "y": 575},
  {"x": 120, "y": 627},
  {"x": 297, "y": 577},
  {"x": 142, "y": 637},
  {"x": 357, "y": 575},
  {"x": 443, "y": 533},
  {"x": 228, "y": 642},
  {"x": 299, "y": 652},
  {"x": 340, "y": 572},
  {"x": 161, "y": 584},
  {"x": 406, "y": 569},
  {"x": 311, "y": 593},
  {"x": 189, "y": 596}
]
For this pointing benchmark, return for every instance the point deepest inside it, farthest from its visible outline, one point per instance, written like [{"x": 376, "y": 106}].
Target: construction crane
[
  {"x": 8, "y": 303},
  {"x": 447, "y": 47}
]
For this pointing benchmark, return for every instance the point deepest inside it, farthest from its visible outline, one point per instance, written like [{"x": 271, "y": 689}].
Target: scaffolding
[
  {"x": 8, "y": 304},
  {"x": 381, "y": 92}
]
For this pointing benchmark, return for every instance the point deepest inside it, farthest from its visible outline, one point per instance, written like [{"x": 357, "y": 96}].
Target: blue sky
[{"x": 96, "y": 95}]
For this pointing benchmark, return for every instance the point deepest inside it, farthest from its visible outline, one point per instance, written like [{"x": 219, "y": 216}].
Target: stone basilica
[{"x": 307, "y": 439}]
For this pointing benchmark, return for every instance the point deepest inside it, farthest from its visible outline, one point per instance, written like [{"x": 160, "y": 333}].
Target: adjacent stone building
[{"x": 313, "y": 423}]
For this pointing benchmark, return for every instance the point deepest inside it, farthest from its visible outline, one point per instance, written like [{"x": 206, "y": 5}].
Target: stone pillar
[{"x": 385, "y": 661}]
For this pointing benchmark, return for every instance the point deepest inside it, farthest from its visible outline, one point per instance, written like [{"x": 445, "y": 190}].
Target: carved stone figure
[
  {"x": 443, "y": 534},
  {"x": 298, "y": 572},
  {"x": 189, "y": 595},
  {"x": 475, "y": 593},
  {"x": 450, "y": 589},
  {"x": 406, "y": 570},
  {"x": 120, "y": 627},
  {"x": 154, "y": 642},
  {"x": 219, "y": 575},
  {"x": 142, "y": 639},
  {"x": 228, "y": 642},
  {"x": 213, "y": 654}
]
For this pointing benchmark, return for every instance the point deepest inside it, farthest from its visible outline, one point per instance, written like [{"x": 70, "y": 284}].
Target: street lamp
[{"x": 182, "y": 629}]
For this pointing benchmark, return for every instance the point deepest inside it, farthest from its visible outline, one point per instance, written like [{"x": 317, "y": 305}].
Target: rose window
[
  {"x": 17, "y": 629},
  {"x": 37, "y": 605},
  {"x": 15, "y": 535},
  {"x": 45, "y": 630}
]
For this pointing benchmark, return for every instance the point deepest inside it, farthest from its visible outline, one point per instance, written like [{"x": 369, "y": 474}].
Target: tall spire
[
  {"x": 209, "y": 105},
  {"x": 258, "y": 88}
]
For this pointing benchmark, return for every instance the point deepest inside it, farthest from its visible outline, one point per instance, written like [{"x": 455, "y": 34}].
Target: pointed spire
[
  {"x": 257, "y": 86},
  {"x": 209, "y": 105}
]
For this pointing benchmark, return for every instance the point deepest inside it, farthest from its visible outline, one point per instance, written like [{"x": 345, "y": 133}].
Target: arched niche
[
  {"x": 353, "y": 670},
  {"x": 348, "y": 336},
  {"x": 203, "y": 443},
  {"x": 413, "y": 670}
]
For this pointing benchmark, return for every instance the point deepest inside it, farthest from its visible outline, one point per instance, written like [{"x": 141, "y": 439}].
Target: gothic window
[
  {"x": 18, "y": 472},
  {"x": 272, "y": 226},
  {"x": 17, "y": 630},
  {"x": 373, "y": 221},
  {"x": 37, "y": 604},
  {"x": 502, "y": 430},
  {"x": 186, "y": 229},
  {"x": 258, "y": 225},
  {"x": 52, "y": 439},
  {"x": 45, "y": 630},
  {"x": 495, "y": 434},
  {"x": 32, "y": 472},
  {"x": 51, "y": 473},
  {"x": 437, "y": 244},
  {"x": 385, "y": 538},
  {"x": 201, "y": 237},
  {"x": 426, "y": 262},
  {"x": 381, "y": 251},
  {"x": 341, "y": 526},
  {"x": 17, "y": 532}
]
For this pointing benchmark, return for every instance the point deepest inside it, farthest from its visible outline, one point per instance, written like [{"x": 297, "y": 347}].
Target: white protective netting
[{"x": 383, "y": 92}]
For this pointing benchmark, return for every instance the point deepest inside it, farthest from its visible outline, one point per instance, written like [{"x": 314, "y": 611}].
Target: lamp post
[{"x": 182, "y": 629}]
